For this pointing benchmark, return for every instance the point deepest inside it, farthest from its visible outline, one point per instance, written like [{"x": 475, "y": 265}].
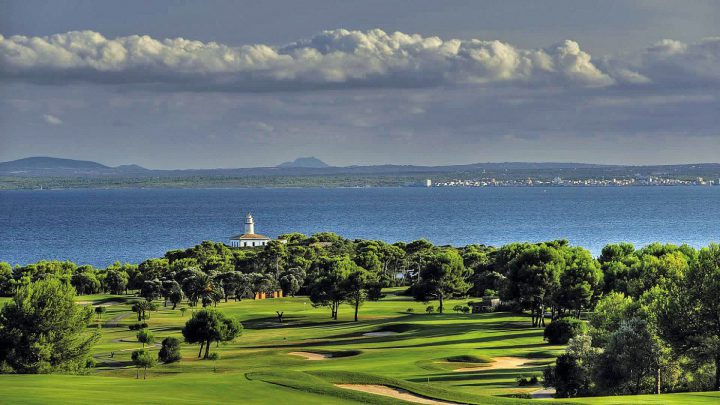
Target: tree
[
  {"x": 151, "y": 269},
  {"x": 143, "y": 359},
  {"x": 170, "y": 350},
  {"x": 146, "y": 337},
  {"x": 442, "y": 275},
  {"x": 572, "y": 373},
  {"x": 166, "y": 286},
  {"x": 99, "y": 311},
  {"x": 214, "y": 356},
  {"x": 361, "y": 285},
  {"x": 657, "y": 265},
  {"x": 42, "y": 330},
  {"x": 115, "y": 281},
  {"x": 327, "y": 281},
  {"x": 291, "y": 280},
  {"x": 6, "y": 279},
  {"x": 273, "y": 258},
  {"x": 609, "y": 312},
  {"x": 85, "y": 281},
  {"x": 580, "y": 281},
  {"x": 533, "y": 276},
  {"x": 201, "y": 287},
  {"x": 630, "y": 359},
  {"x": 175, "y": 295},
  {"x": 209, "y": 325},
  {"x": 560, "y": 331},
  {"x": 142, "y": 308},
  {"x": 151, "y": 289},
  {"x": 690, "y": 319}
]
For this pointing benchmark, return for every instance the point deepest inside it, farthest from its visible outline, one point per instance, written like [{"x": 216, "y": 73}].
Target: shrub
[
  {"x": 430, "y": 309},
  {"x": 170, "y": 350},
  {"x": 560, "y": 331},
  {"x": 138, "y": 326},
  {"x": 469, "y": 359},
  {"x": 410, "y": 310},
  {"x": 510, "y": 306},
  {"x": 465, "y": 310},
  {"x": 524, "y": 381}
]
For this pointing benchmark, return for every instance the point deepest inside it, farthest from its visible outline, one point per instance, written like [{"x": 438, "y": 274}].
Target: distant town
[{"x": 558, "y": 181}]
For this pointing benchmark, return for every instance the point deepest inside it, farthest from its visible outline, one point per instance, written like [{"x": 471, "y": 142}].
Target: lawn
[{"x": 405, "y": 350}]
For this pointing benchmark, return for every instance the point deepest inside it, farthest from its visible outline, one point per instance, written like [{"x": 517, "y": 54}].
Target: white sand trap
[
  {"x": 376, "y": 334},
  {"x": 312, "y": 356},
  {"x": 498, "y": 363},
  {"x": 394, "y": 393}
]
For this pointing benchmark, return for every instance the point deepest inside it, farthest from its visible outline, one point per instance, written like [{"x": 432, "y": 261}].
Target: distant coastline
[{"x": 55, "y": 173}]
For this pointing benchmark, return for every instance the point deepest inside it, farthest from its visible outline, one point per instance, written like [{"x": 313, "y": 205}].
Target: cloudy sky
[{"x": 195, "y": 84}]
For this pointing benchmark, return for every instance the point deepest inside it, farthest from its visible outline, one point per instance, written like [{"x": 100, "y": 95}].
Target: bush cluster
[{"x": 560, "y": 331}]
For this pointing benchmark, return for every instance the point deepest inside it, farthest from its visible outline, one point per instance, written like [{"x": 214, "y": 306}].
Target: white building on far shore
[{"x": 249, "y": 238}]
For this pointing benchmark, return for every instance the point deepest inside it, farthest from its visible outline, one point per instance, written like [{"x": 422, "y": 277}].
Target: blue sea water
[{"x": 100, "y": 226}]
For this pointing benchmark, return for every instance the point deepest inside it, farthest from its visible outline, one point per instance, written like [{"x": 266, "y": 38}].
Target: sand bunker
[
  {"x": 312, "y": 356},
  {"x": 498, "y": 363},
  {"x": 394, "y": 393},
  {"x": 377, "y": 334}
]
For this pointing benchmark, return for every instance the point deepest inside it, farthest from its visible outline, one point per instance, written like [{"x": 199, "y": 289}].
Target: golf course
[{"x": 395, "y": 353}]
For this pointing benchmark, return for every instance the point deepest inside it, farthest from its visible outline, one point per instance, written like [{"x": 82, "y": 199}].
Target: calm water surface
[{"x": 100, "y": 226}]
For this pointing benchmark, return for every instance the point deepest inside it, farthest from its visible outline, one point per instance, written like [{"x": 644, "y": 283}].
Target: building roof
[{"x": 250, "y": 236}]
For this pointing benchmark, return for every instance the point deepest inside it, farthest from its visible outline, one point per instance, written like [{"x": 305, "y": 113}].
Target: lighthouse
[
  {"x": 249, "y": 238},
  {"x": 249, "y": 224}
]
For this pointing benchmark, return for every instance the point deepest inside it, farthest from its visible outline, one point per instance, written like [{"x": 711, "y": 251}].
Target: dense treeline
[{"x": 650, "y": 316}]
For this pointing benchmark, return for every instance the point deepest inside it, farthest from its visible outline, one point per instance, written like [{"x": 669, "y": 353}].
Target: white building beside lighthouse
[{"x": 249, "y": 238}]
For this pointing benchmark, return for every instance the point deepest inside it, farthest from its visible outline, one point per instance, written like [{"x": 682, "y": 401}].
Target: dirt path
[
  {"x": 394, "y": 393},
  {"x": 498, "y": 363},
  {"x": 377, "y": 334},
  {"x": 114, "y": 322},
  {"x": 547, "y": 393},
  {"x": 312, "y": 356}
]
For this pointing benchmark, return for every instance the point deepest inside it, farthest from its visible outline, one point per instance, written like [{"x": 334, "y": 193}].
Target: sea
[{"x": 99, "y": 227}]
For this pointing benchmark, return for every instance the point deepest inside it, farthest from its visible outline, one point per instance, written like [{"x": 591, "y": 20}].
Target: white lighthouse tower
[
  {"x": 249, "y": 238},
  {"x": 249, "y": 224}
]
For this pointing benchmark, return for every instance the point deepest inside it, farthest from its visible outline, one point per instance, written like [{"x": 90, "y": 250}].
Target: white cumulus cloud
[
  {"x": 343, "y": 58},
  {"x": 52, "y": 120}
]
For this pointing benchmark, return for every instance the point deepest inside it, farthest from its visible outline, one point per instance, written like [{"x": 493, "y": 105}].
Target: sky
[{"x": 206, "y": 84}]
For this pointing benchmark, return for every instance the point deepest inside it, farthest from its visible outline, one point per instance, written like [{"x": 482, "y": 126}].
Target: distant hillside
[
  {"x": 44, "y": 163},
  {"x": 51, "y": 166},
  {"x": 304, "y": 162}
]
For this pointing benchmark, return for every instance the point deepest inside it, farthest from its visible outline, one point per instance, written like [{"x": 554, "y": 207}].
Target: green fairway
[{"x": 413, "y": 351}]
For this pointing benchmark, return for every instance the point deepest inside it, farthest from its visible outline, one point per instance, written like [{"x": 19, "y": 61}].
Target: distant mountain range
[
  {"x": 311, "y": 166},
  {"x": 50, "y": 166}
]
